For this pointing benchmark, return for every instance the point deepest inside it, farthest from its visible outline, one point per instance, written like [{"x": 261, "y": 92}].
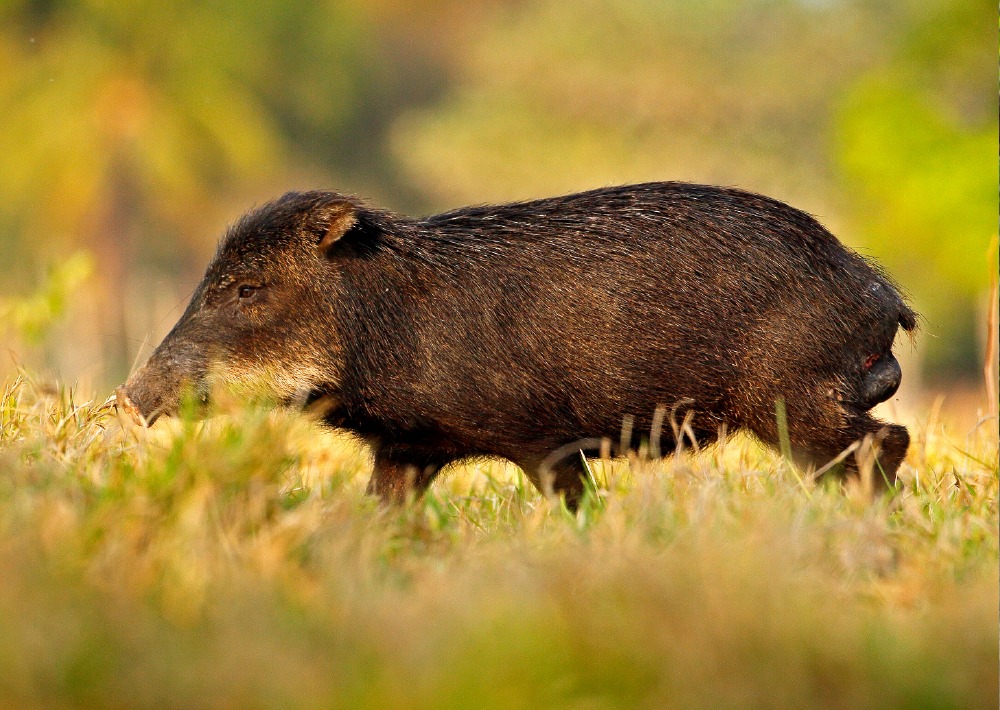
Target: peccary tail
[{"x": 907, "y": 319}]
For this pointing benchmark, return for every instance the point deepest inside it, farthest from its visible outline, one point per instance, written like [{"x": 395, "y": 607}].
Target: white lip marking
[{"x": 281, "y": 381}]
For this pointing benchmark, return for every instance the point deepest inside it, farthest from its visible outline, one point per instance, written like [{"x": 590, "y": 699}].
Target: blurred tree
[
  {"x": 917, "y": 140},
  {"x": 125, "y": 122},
  {"x": 33, "y": 316},
  {"x": 557, "y": 96}
]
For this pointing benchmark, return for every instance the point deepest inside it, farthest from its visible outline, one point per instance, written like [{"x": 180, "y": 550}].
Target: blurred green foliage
[
  {"x": 556, "y": 96},
  {"x": 33, "y": 316},
  {"x": 917, "y": 140},
  {"x": 157, "y": 109},
  {"x": 137, "y": 130}
]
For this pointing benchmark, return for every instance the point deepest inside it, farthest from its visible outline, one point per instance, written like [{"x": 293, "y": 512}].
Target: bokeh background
[{"x": 132, "y": 133}]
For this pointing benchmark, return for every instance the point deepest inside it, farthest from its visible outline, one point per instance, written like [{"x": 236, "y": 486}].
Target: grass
[{"x": 236, "y": 562}]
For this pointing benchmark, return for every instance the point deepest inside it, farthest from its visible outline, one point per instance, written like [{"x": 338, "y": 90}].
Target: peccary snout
[
  {"x": 155, "y": 389},
  {"x": 123, "y": 403}
]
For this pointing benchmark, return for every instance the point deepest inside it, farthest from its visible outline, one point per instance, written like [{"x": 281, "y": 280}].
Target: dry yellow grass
[{"x": 236, "y": 562}]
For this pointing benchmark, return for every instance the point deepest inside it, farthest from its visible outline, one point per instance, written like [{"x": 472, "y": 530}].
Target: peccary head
[{"x": 261, "y": 319}]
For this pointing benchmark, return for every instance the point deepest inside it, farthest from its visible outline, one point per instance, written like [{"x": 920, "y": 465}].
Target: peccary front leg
[{"x": 398, "y": 472}]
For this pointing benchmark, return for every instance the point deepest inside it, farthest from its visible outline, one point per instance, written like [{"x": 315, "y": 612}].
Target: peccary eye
[{"x": 247, "y": 292}]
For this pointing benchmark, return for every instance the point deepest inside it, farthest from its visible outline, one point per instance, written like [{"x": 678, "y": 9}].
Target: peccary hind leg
[
  {"x": 561, "y": 478},
  {"x": 565, "y": 478},
  {"x": 820, "y": 431},
  {"x": 562, "y": 472},
  {"x": 396, "y": 473},
  {"x": 890, "y": 443}
]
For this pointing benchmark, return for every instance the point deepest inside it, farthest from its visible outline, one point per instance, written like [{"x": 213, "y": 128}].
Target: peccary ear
[{"x": 334, "y": 221}]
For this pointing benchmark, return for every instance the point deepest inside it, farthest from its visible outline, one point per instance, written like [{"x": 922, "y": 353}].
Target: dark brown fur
[{"x": 518, "y": 330}]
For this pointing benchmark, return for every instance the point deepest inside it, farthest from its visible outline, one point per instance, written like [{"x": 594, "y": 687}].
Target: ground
[{"x": 236, "y": 562}]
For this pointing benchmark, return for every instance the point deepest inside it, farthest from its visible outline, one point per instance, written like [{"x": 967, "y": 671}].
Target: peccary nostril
[
  {"x": 125, "y": 404},
  {"x": 880, "y": 382}
]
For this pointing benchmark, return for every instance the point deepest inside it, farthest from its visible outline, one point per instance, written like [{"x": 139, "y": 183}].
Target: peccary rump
[{"x": 534, "y": 330}]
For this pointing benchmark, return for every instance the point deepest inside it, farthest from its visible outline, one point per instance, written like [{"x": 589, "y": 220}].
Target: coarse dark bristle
[{"x": 529, "y": 328}]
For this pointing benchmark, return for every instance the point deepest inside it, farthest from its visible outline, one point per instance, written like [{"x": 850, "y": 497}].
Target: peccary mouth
[{"x": 124, "y": 404}]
